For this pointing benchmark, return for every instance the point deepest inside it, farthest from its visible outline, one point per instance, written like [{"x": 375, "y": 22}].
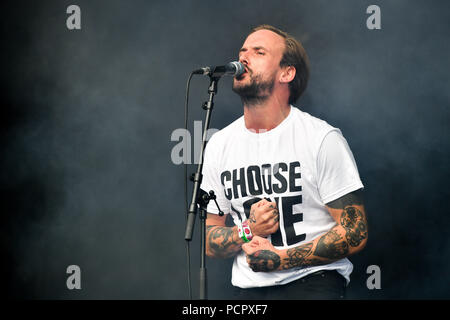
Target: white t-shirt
[{"x": 301, "y": 164}]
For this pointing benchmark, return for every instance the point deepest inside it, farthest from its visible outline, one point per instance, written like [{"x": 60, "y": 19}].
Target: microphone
[{"x": 234, "y": 68}]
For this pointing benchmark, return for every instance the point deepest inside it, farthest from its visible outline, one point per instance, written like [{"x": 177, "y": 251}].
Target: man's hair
[{"x": 294, "y": 55}]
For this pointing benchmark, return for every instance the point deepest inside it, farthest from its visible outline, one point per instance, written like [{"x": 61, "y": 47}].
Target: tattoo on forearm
[
  {"x": 302, "y": 256},
  {"x": 264, "y": 260},
  {"x": 296, "y": 256},
  {"x": 331, "y": 245},
  {"x": 221, "y": 241}
]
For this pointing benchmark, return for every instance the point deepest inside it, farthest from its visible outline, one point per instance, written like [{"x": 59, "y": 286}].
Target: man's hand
[
  {"x": 263, "y": 218},
  {"x": 261, "y": 255}
]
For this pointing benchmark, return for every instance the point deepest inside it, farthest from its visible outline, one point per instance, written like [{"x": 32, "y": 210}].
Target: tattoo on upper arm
[
  {"x": 352, "y": 198},
  {"x": 352, "y": 219}
]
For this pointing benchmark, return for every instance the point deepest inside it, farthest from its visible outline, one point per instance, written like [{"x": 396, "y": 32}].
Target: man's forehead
[{"x": 264, "y": 38}]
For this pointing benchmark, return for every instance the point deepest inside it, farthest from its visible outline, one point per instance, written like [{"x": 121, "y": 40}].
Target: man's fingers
[
  {"x": 275, "y": 227},
  {"x": 261, "y": 203},
  {"x": 252, "y": 246},
  {"x": 273, "y": 214},
  {"x": 249, "y": 246},
  {"x": 264, "y": 202},
  {"x": 270, "y": 207}
]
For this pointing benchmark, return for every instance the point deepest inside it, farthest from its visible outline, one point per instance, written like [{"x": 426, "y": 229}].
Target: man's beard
[{"x": 256, "y": 92}]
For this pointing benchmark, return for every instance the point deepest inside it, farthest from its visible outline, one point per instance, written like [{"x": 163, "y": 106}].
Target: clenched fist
[
  {"x": 263, "y": 218},
  {"x": 261, "y": 255}
]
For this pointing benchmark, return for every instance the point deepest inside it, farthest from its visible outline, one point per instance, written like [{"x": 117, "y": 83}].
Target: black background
[{"x": 87, "y": 117}]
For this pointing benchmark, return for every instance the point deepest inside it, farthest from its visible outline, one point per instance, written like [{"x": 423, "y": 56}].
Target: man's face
[{"x": 261, "y": 54}]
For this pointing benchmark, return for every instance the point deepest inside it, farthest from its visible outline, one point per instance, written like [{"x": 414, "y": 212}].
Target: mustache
[{"x": 247, "y": 70}]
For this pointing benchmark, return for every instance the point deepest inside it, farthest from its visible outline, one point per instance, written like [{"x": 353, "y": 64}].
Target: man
[{"x": 288, "y": 179}]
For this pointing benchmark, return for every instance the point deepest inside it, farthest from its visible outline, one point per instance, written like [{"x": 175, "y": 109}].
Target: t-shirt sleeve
[
  {"x": 211, "y": 180},
  {"x": 336, "y": 166}
]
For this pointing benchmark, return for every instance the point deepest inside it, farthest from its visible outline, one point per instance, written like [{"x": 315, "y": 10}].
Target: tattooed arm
[
  {"x": 348, "y": 237},
  {"x": 224, "y": 242},
  {"x": 221, "y": 241}
]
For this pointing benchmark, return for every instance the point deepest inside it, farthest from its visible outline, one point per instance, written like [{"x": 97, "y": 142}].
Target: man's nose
[{"x": 243, "y": 59}]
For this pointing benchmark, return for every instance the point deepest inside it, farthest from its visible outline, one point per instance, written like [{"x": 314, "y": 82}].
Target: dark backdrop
[{"x": 87, "y": 117}]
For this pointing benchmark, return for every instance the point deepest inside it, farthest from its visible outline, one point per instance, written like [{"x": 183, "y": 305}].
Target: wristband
[{"x": 244, "y": 231}]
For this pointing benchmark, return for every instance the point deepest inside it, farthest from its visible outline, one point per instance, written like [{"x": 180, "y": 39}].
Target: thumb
[
  {"x": 246, "y": 247},
  {"x": 250, "y": 247}
]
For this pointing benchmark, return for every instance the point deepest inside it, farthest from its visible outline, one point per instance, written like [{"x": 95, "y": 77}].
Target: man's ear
[{"x": 288, "y": 74}]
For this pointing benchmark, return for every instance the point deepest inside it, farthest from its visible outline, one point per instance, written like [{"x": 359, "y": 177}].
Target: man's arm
[
  {"x": 221, "y": 241},
  {"x": 348, "y": 237},
  {"x": 224, "y": 242}
]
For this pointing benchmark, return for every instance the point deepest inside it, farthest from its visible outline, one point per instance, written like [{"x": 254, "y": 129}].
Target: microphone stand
[{"x": 200, "y": 197}]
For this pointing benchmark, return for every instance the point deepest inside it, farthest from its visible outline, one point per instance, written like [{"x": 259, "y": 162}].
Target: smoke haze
[{"x": 87, "y": 176}]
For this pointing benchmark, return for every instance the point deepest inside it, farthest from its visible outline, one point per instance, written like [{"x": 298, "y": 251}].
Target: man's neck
[{"x": 266, "y": 115}]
